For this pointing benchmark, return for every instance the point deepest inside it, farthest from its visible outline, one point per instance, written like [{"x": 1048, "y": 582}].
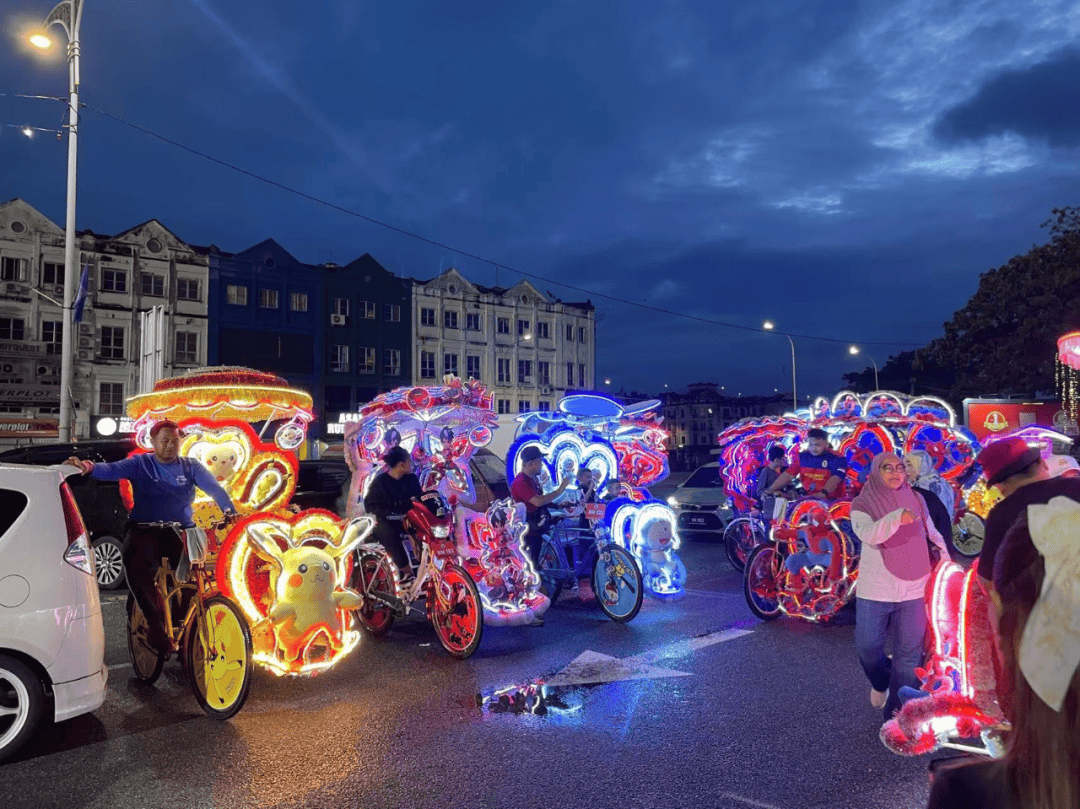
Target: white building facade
[
  {"x": 527, "y": 348},
  {"x": 127, "y": 274}
]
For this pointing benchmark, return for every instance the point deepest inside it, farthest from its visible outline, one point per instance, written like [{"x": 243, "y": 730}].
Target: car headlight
[{"x": 671, "y": 501}]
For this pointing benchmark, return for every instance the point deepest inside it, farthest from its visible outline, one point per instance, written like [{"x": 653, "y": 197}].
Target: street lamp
[
  {"x": 768, "y": 325},
  {"x": 607, "y": 381},
  {"x": 853, "y": 351},
  {"x": 68, "y": 15}
]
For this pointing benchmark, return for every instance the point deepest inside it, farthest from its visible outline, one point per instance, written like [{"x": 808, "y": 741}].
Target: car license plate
[{"x": 696, "y": 519}]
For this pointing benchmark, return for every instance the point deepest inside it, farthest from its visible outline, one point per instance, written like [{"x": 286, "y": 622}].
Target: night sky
[{"x": 847, "y": 169}]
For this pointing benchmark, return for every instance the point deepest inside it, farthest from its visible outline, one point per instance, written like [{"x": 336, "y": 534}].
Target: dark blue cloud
[{"x": 1041, "y": 101}]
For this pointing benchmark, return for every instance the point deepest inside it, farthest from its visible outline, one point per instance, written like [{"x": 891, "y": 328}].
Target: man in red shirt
[
  {"x": 526, "y": 489},
  {"x": 820, "y": 470}
]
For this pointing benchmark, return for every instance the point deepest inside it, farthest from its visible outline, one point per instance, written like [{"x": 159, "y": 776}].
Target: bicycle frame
[{"x": 582, "y": 567}]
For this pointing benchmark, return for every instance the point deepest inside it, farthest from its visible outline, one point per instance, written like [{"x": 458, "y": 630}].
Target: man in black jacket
[{"x": 389, "y": 498}]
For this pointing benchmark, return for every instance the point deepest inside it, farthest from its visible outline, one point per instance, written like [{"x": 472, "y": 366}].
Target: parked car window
[
  {"x": 704, "y": 478},
  {"x": 12, "y": 504}
]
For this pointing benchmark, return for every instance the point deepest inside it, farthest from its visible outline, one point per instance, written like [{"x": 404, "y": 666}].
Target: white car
[
  {"x": 700, "y": 502},
  {"x": 52, "y": 639}
]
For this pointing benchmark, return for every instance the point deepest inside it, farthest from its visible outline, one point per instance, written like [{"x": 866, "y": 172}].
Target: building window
[
  {"x": 339, "y": 359},
  {"x": 523, "y": 328},
  {"x": 504, "y": 406},
  {"x": 543, "y": 329},
  {"x": 427, "y": 317},
  {"x": 427, "y": 364},
  {"x": 152, "y": 284},
  {"x": 341, "y": 306},
  {"x": 113, "y": 280},
  {"x": 543, "y": 372},
  {"x": 236, "y": 294},
  {"x": 187, "y": 289},
  {"x": 392, "y": 361},
  {"x": 367, "y": 361},
  {"x": 582, "y": 334},
  {"x": 472, "y": 321},
  {"x": 581, "y": 376},
  {"x": 52, "y": 273},
  {"x": 187, "y": 347},
  {"x": 449, "y": 319},
  {"x": 524, "y": 371},
  {"x": 268, "y": 299},
  {"x": 12, "y": 328},
  {"x": 545, "y": 406},
  {"x": 570, "y": 332},
  {"x": 111, "y": 398},
  {"x": 366, "y": 310},
  {"x": 298, "y": 301},
  {"x": 472, "y": 367},
  {"x": 569, "y": 374},
  {"x": 504, "y": 371},
  {"x": 391, "y": 313},
  {"x": 13, "y": 269},
  {"x": 449, "y": 364},
  {"x": 52, "y": 336},
  {"x": 502, "y": 325},
  {"x": 112, "y": 342},
  {"x": 524, "y": 405}
]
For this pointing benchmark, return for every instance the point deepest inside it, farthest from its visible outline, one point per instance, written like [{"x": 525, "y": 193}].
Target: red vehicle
[{"x": 451, "y": 600}]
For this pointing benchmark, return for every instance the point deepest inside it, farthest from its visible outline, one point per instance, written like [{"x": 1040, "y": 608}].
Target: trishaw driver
[
  {"x": 163, "y": 487},
  {"x": 388, "y": 499},
  {"x": 526, "y": 489},
  {"x": 820, "y": 470}
]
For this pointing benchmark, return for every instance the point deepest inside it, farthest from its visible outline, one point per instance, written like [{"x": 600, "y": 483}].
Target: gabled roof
[
  {"x": 270, "y": 254},
  {"x": 19, "y": 210},
  {"x": 452, "y": 277},
  {"x": 152, "y": 229}
]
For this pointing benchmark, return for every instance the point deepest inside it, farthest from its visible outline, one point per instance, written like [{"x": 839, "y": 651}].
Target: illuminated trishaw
[
  {"x": 442, "y": 426},
  {"x": 285, "y": 570},
  {"x": 622, "y": 445},
  {"x": 806, "y": 565}
]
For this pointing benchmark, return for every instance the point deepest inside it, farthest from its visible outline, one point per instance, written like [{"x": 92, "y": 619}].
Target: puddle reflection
[{"x": 533, "y": 698}]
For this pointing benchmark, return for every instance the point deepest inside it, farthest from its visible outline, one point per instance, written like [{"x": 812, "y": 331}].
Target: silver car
[{"x": 700, "y": 502}]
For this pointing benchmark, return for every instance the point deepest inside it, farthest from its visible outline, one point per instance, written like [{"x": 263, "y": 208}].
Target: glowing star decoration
[
  {"x": 960, "y": 699},
  {"x": 616, "y": 442},
  {"x": 492, "y": 548},
  {"x": 648, "y": 531},
  {"x": 440, "y": 426},
  {"x": 287, "y": 573}
]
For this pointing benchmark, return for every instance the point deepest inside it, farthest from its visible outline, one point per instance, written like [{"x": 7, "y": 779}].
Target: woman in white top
[{"x": 894, "y": 526}]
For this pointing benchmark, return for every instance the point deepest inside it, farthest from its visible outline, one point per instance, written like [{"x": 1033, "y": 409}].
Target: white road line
[
  {"x": 119, "y": 666},
  {"x": 683, "y": 647},
  {"x": 749, "y": 801}
]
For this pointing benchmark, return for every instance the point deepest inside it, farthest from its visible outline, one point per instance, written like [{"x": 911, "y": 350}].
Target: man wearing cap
[
  {"x": 526, "y": 489},
  {"x": 1024, "y": 479}
]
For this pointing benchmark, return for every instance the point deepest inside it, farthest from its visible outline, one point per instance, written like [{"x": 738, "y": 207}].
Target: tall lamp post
[
  {"x": 68, "y": 15},
  {"x": 853, "y": 351},
  {"x": 768, "y": 325}
]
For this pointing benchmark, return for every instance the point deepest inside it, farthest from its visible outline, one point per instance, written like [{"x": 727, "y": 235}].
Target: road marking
[
  {"x": 119, "y": 666},
  {"x": 592, "y": 668},
  {"x": 749, "y": 801}
]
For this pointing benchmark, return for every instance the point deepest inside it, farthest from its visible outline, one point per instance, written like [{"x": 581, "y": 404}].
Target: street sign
[{"x": 29, "y": 394}]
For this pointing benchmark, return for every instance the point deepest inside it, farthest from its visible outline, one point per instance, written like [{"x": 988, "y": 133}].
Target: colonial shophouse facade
[
  {"x": 528, "y": 348},
  {"x": 129, "y": 273}
]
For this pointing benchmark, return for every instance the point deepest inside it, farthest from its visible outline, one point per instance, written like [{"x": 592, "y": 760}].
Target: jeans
[
  {"x": 388, "y": 534},
  {"x": 873, "y": 620},
  {"x": 144, "y": 548}
]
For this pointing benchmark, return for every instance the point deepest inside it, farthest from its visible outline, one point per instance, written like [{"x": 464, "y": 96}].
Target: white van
[{"x": 52, "y": 639}]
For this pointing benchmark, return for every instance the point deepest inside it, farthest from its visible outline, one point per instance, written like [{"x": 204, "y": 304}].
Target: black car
[
  {"x": 323, "y": 484},
  {"x": 99, "y": 500}
]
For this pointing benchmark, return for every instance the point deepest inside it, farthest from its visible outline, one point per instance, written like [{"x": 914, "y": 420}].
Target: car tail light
[{"x": 78, "y": 553}]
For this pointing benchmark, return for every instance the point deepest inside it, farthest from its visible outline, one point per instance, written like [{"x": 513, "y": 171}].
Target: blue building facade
[{"x": 265, "y": 311}]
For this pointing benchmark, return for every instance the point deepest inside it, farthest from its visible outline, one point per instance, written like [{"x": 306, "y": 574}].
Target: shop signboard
[
  {"x": 12, "y": 393},
  {"x": 14, "y": 427},
  {"x": 990, "y": 417}
]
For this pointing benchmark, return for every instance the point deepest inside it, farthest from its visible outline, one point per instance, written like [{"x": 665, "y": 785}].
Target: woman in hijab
[
  {"x": 893, "y": 523},
  {"x": 922, "y": 474}
]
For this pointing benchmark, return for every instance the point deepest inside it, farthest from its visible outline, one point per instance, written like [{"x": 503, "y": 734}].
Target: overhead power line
[{"x": 498, "y": 265}]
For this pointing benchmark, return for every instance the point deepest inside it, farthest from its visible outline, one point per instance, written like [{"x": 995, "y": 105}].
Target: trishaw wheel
[
  {"x": 373, "y": 574},
  {"x": 617, "y": 583},
  {"x": 741, "y": 536},
  {"x": 456, "y": 611},
  {"x": 759, "y": 582},
  {"x": 146, "y": 661},
  {"x": 217, "y": 647},
  {"x": 550, "y": 561},
  {"x": 968, "y": 535}
]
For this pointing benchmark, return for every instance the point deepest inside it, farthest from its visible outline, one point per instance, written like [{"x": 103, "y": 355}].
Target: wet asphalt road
[{"x": 779, "y": 717}]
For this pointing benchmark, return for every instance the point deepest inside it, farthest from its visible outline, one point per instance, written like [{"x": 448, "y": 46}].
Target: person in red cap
[{"x": 1024, "y": 479}]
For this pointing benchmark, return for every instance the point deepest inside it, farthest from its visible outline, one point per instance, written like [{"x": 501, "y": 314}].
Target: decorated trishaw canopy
[{"x": 1069, "y": 350}]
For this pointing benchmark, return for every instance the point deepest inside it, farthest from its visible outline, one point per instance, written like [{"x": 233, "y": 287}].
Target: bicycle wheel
[
  {"x": 741, "y": 536},
  {"x": 218, "y": 653},
  {"x": 146, "y": 660},
  {"x": 968, "y": 535},
  {"x": 456, "y": 611},
  {"x": 373, "y": 574},
  {"x": 759, "y": 582},
  {"x": 617, "y": 583},
  {"x": 551, "y": 560}
]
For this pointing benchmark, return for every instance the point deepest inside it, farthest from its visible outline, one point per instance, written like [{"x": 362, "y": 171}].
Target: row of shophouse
[{"x": 343, "y": 332}]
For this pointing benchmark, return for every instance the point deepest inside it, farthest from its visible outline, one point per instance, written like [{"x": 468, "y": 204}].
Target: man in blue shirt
[{"x": 164, "y": 486}]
